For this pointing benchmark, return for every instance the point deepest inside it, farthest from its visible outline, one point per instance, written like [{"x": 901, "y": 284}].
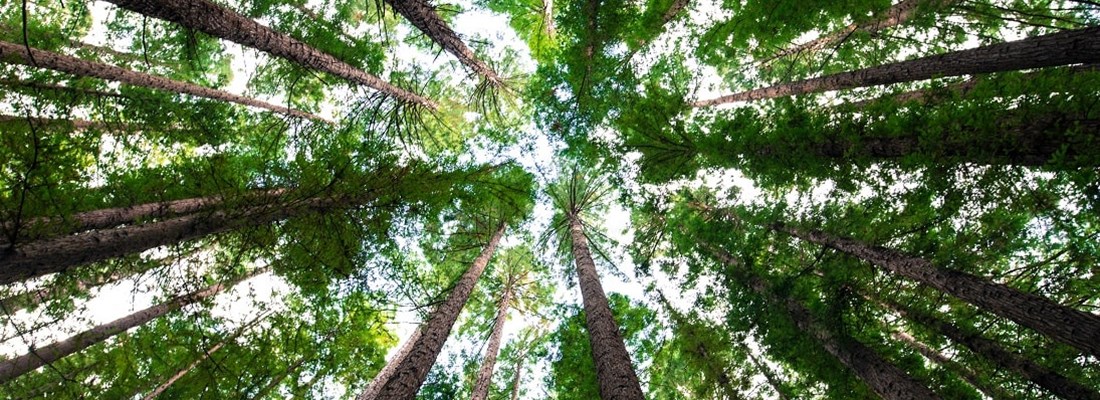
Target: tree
[
  {"x": 1063, "y": 48},
  {"x": 221, "y": 22},
  {"x": 424, "y": 17},
  {"x": 13, "y": 53},
  {"x": 485, "y": 373}
]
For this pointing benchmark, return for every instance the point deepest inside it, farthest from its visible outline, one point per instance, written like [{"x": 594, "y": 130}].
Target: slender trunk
[
  {"x": 75, "y": 125},
  {"x": 1062, "y": 48},
  {"x": 279, "y": 378},
  {"x": 18, "y": 54},
  {"x": 47, "y": 227},
  {"x": 43, "y": 257},
  {"x": 206, "y": 354},
  {"x": 1050, "y": 380},
  {"x": 769, "y": 376},
  {"x": 37, "y": 357},
  {"x": 1073, "y": 327},
  {"x": 384, "y": 375},
  {"x": 56, "y": 87},
  {"x": 884, "y": 378},
  {"x": 614, "y": 370},
  {"x": 43, "y": 391},
  {"x": 966, "y": 374},
  {"x": 517, "y": 373},
  {"x": 119, "y": 55},
  {"x": 423, "y": 16},
  {"x": 485, "y": 374},
  {"x": 411, "y": 372},
  {"x": 671, "y": 13},
  {"x": 896, "y": 15},
  {"x": 687, "y": 329},
  {"x": 221, "y": 22}
]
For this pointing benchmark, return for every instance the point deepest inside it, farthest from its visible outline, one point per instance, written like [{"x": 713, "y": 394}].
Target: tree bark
[
  {"x": 218, "y": 21},
  {"x": 411, "y": 372},
  {"x": 517, "y": 373},
  {"x": 206, "y": 354},
  {"x": 966, "y": 374},
  {"x": 18, "y": 54},
  {"x": 884, "y": 378},
  {"x": 485, "y": 374},
  {"x": 1050, "y": 380},
  {"x": 1073, "y": 327},
  {"x": 384, "y": 375},
  {"x": 1062, "y": 48},
  {"x": 43, "y": 257},
  {"x": 614, "y": 370},
  {"x": 896, "y": 15},
  {"x": 15, "y": 367},
  {"x": 423, "y": 16}
]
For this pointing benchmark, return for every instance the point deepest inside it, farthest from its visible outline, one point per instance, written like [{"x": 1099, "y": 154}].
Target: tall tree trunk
[
  {"x": 614, "y": 371},
  {"x": 884, "y": 378},
  {"x": 262, "y": 394},
  {"x": 1073, "y": 327},
  {"x": 713, "y": 367},
  {"x": 43, "y": 257},
  {"x": 75, "y": 125},
  {"x": 1050, "y": 380},
  {"x": 517, "y": 374},
  {"x": 55, "y": 87},
  {"x": 411, "y": 372},
  {"x": 423, "y": 16},
  {"x": 47, "y": 227},
  {"x": 206, "y": 354},
  {"x": 1062, "y": 48},
  {"x": 485, "y": 374},
  {"x": 769, "y": 376},
  {"x": 896, "y": 15},
  {"x": 966, "y": 374},
  {"x": 673, "y": 10},
  {"x": 37, "y": 357},
  {"x": 221, "y": 22},
  {"x": 384, "y": 375},
  {"x": 19, "y": 54}
]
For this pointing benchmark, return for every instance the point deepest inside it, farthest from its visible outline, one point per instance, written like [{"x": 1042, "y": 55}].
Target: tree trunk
[
  {"x": 688, "y": 329},
  {"x": 221, "y": 22},
  {"x": 18, "y": 54},
  {"x": 206, "y": 354},
  {"x": 884, "y": 378},
  {"x": 411, "y": 372},
  {"x": 1062, "y": 48},
  {"x": 43, "y": 257},
  {"x": 55, "y": 87},
  {"x": 1050, "y": 380},
  {"x": 1073, "y": 327},
  {"x": 517, "y": 373},
  {"x": 770, "y": 377},
  {"x": 37, "y": 357},
  {"x": 279, "y": 379},
  {"x": 485, "y": 374},
  {"x": 423, "y": 16},
  {"x": 896, "y": 15},
  {"x": 966, "y": 374},
  {"x": 384, "y": 375},
  {"x": 614, "y": 370}
]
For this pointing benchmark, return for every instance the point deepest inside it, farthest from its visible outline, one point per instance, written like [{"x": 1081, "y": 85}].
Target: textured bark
[
  {"x": 1073, "y": 327},
  {"x": 37, "y": 357},
  {"x": 1050, "y": 380},
  {"x": 614, "y": 370},
  {"x": 1062, "y": 48},
  {"x": 485, "y": 374},
  {"x": 896, "y": 15},
  {"x": 218, "y": 21},
  {"x": 884, "y": 378},
  {"x": 423, "y": 16},
  {"x": 383, "y": 376},
  {"x": 18, "y": 54},
  {"x": 411, "y": 372},
  {"x": 47, "y": 256},
  {"x": 966, "y": 374}
]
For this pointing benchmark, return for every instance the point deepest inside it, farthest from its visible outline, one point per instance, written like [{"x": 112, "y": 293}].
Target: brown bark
[
  {"x": 18, "y": 54},
  {"x": 1050, "y": 380},
  {"x": 383, "y": 376},
  {"x": 1062, "y": 48},
  {"x": 1073, "y": 327},
  {"x": 966, "y": 374},
  {"x": 47, "y": 256},
  {"x": 485, "y": 374},
  {"x": 423, "y": 16},
  {"x": 896, "y": 15},
  {"x": 218, "y": 21},
  {"x": 884, "y": 378},
  {"x": 412, "y": 370},
  {"x": 206, "y": 354},
  {"x": 37, "y": 357},
  {"x": 614, "y": 370},
  {"x": 517, "y": 374}
]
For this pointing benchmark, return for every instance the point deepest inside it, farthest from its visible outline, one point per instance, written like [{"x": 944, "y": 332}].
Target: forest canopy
[{"x": 537, "y": 199}]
